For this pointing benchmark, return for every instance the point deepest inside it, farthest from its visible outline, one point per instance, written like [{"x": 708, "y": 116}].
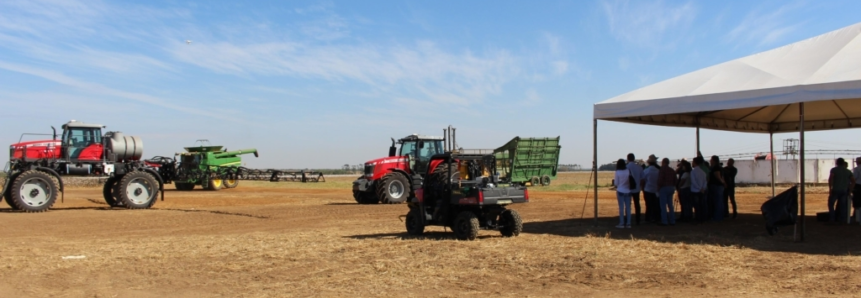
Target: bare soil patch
[{"x": 292, "y": 239}]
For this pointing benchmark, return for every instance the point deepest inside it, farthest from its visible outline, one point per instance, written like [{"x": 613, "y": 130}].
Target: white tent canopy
[
  {"x": 757, "y": 93},
  {"x": 814, "y": 84}
]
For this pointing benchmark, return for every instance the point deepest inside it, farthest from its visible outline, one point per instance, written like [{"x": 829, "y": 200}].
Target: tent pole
[
  {"x": 801, "y": 166},
  {"x": 595, "y": 165},
  {"x": 771, "y": 158},
  {"x": 698, "y": 136}
]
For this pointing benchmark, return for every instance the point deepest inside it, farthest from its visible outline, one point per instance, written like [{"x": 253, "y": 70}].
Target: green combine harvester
[
  {"x": 528, "y": 160},
  {"x": 207, "y": 166}
]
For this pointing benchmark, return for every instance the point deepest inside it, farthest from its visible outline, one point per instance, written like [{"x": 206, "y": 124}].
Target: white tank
[{"x": 125, "y": 148}]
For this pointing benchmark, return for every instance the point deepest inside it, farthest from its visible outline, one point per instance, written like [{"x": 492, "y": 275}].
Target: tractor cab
[
  {"x": 82, "y": 141},
  {"x": 419, "y": 149}
]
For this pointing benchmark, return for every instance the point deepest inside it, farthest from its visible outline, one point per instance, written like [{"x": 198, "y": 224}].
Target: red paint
[
  {"x": 91, "y": 153},
  {"x": 36, "y": 149}
]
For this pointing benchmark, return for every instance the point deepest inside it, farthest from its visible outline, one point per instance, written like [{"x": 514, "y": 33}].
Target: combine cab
[{"x": 35, "y": 169}]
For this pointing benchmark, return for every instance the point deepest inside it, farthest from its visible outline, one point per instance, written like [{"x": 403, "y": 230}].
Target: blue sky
[{"x": 320, "y": 83}]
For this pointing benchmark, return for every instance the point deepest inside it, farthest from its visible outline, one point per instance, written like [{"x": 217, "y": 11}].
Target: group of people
[
  {"x": 841, "y": 183},
  {"x": 705, "y": 190}
]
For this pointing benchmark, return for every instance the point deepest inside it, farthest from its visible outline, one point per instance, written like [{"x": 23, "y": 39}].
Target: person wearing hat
[{"x": 650, "y": 189}]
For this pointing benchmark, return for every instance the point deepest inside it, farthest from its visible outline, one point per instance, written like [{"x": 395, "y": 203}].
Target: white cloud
[
  {"x": 423, "y": 67},
  {"x": 646, "y": 23},
  {"x": 766, "y": 26},
  {"x": 560, "y": 67}
]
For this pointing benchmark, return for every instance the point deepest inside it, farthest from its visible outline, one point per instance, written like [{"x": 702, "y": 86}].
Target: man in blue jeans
[{"x": 840, "y": 181}]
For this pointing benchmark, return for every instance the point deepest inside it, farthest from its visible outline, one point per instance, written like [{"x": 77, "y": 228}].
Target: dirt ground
[{"x": 292, "y": 239}]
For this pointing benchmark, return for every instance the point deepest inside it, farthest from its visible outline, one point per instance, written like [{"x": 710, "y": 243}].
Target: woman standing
[{"x": 623, "y": 193}]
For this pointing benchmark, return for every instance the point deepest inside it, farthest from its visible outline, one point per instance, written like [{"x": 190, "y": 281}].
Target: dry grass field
[{"x": 293, "y": 239}]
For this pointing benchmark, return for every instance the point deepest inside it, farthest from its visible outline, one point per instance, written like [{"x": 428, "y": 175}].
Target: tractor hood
[
  {"x": 36, "y": 149},
  {"x": 385, "y": 160}
]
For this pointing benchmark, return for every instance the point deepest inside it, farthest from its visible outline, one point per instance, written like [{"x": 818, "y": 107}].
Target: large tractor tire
[
  {"x": 111, "y": 197},
  {"x": 34, "y": 191},
  {"x": 510, "y": 224},
  {"x": 365, "y": 197},
  {"x": 393, "y": 189},
  {"x": 439, "y": 179},
  {"x": 231, "y": 182},
  {"x": 183, "y": 186},
  {"x": 466, "y": 226},
  {"x": 214, "y": 184},
  {"x": 545, "y": 180},
  {"x": 8, "y": 197},
  {"x": 414, "y": 223},
  {"x": 137, "y": 190}
]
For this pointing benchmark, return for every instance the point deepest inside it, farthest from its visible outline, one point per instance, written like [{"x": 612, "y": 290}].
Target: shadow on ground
[{"x": 748, "y": 230}]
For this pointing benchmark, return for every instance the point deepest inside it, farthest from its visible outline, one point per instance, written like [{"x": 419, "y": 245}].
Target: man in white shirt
[
  {"x": 637, "y": 172},
  {"x": 698, "y": 190}
]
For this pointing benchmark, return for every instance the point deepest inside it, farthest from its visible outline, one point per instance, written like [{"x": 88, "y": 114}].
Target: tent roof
[{"x": 757, "y": 93}]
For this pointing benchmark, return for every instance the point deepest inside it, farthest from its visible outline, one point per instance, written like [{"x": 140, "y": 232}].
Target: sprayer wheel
[
  {"x": 108, "y": 193},
  {"x": 137, "y": 190},
  {"x": 34, "y": 191}
]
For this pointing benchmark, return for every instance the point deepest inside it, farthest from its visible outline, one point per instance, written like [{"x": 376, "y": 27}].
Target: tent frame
[{"x": 800, "y": 225}]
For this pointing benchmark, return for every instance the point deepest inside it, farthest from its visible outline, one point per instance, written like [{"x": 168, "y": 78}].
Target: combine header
[{"x": 273, "y": 175}]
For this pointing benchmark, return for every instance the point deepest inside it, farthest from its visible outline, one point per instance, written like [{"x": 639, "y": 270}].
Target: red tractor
[
  {"x": 389, "y": 180},
  {"x": 35, "y": 169}
]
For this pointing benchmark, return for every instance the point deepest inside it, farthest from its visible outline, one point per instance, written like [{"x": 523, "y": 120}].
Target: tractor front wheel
[
  {"x": 34, "y": 191},
  {"x": 414, "y": 223},
  {"x": 137, "y": 190},
  {"x": 393, "y": 188},
  {"x": 510, "y": 224},
  {"x": 466, "y": 226}
]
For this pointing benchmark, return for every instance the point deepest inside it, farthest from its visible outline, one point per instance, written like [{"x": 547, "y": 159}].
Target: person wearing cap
[
  {"x": 840, "y": 181},
  {"x": 666, "y": 188},
  {"x": 856, "y": 191},
  {"x": 650, "y": 189},
  {"x": 637, "y": 172}
]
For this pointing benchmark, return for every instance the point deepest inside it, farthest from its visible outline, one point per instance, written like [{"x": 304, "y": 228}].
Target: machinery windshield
[{"x": 420, "y": 154}]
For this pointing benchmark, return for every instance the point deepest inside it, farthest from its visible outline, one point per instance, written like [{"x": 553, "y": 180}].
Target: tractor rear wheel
[
  {"x": 466, "y": 226},
  {"x": 510, "y": 224},
  {"x": 184, "y": 186},
  {"x": 414, "y": 222},
  {"x": 545, "y": 180},
  {"x": 34, "y": 191},
  {"x": 108, "y": 193},
  {"x": 214, "y": 183},
  {"x": 393, "y": 188},
  {"x": 439, "y": 179},
  {"x": 231, "y": 182},
  {"x": 137, "y": 190}
]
